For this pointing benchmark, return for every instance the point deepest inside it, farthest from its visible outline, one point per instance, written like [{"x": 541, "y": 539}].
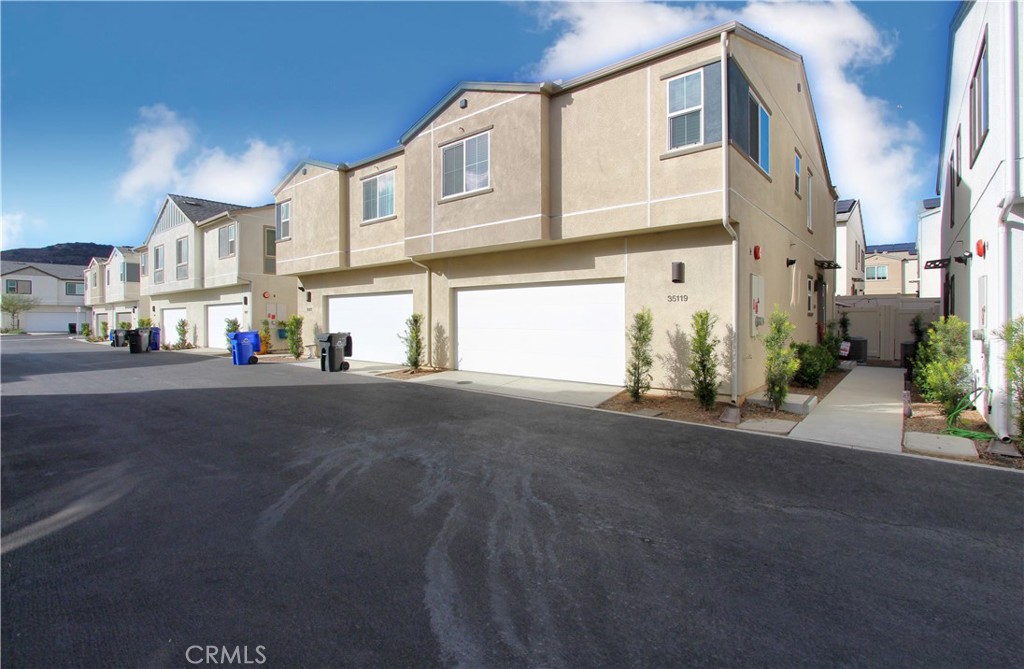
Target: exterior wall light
[
  {"x": 790, "y": 262},
  {"x": 678, "y": 272}
]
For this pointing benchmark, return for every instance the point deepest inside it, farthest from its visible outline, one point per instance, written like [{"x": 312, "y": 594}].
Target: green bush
[
  {"x": 265, "y": 338},
  {"x": 86, "y": 330},
  {"x": 832, "y": 342},
  {"x": 413, "y": 340},
  {"x": 231, "y": 325},
  {"x": 124, "y": 325},
  {"x": 145, "y": 322},
  {"x": 105, "y": 330},
  {"x": 780, "y": 362},
  {"x": 182, "y": 329},
  {"x": 641, "y": 358},
  {"x": 294, "y": 328},
  {"x": 844, "y": 326},
  {"x": 704, "y": 359},
  {"x": 941, "y": 369},
  {"x": 1013, "y": 334},
  {"x": 816, "y": 360}
]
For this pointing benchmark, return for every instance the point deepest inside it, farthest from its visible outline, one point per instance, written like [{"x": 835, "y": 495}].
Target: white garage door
[
  {"x": 124, "y": 317},
  {"x": 574, "y": 332},
  {"x": 169, "y": 325},
  {"x": 43, "y": 321},
  {"x": 375, "y": 322},
  {"x": 216, "y": 328}
]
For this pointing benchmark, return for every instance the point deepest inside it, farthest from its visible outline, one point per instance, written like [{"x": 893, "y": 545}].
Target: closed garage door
[
  {"x": 216, "y": 328},
  {"x": 169, "y": 327},
  {"x": 101, "y": 320},
  {"x": 43, "y": 321},
  {"x": 375, "y": 322},
  {"x": 124, "y": 317},
  {"x": 574, "y": 332}
]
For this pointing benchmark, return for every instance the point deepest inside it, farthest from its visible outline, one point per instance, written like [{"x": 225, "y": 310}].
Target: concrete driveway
[{"x": 154, "y": 503}]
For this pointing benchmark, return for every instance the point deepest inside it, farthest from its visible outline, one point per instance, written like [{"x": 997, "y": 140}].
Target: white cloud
[
  {"x": 165, "y": 158},
  {"x": 872, "y": 155},
  {"x": 12, "y": 230}
]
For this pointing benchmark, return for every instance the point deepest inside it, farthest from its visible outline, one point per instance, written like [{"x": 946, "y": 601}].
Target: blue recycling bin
[
  {"x": 154, "y": 339},
  {"x": 244, "y": 346}
]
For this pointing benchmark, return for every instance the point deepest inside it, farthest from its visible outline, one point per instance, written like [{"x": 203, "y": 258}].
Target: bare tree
[{"x": 15, "y": 305}]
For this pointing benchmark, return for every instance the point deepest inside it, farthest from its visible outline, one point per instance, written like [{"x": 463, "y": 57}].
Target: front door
[{"x": 822, "y": 290}]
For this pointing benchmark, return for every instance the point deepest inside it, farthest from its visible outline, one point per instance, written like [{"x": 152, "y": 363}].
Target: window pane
[
  {"x": 269, "y": 242},
  {"x": 765, "y": 143},
  {"x": 476, "y": 163},
  {"x": 692, "y": 95},
  {"x": 684, "y": 92},
  {"x": 755, "y": 140},
  {"x": 453, "y": 175},
  {"x": 369, "y": 199},
  {"x": 685, "y": 129},
  {"x": 386, "y": 195}
]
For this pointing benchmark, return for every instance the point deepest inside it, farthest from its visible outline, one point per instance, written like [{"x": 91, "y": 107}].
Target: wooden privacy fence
[{"x": 884, "y": 320}]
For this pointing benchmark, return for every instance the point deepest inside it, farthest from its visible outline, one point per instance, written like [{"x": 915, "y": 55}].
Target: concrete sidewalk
[
  {"x": 562, "y": 392},
  {"x": 864, "y": 411}
]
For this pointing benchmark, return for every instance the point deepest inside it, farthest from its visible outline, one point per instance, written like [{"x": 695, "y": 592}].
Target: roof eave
[
  {"x": 465, "y": 87},
  {"x": 295, "y": 170}
]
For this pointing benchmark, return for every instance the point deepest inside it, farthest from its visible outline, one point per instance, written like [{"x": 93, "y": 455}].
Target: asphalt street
[{"x": 155, "y": 504}]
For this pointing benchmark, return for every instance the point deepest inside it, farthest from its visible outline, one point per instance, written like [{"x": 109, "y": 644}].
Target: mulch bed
[{"x": 411, "y": 373}]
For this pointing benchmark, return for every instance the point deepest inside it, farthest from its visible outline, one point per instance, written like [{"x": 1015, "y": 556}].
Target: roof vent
[{"x": 193, "y": 203}]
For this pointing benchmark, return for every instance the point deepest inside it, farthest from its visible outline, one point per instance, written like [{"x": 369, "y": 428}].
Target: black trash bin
[
  {"x": 858, "y": 350},
  {"x": 119, "y": 338},
  {"x": 334, "y": 346},
  {"x": 137, "y": 342},
  {"x": 72, "y": 328}
]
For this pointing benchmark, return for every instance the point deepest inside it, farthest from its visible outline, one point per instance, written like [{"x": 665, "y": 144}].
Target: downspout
[
  {"x": 1012, "y": 196},
  {"x": 238, "y": 256},
  {"x": 726, "y": 218},
  {"x": 430, "y": 327}
]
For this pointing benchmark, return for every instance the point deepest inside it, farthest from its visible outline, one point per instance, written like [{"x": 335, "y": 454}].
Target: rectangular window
[
  {"x": 18, "y": 287},
  {"x": 956, "y": 154},
  {"x": 269, "y": 251},
  {"x": 181, "y": 258},
  {"x": 760, "y": 133},
  {"x": 466, "y": 166},
  {"x": 810, "y": 201},
  {"x": 93, "y": 279},
  {"x": 979, "y": 101},
  {"x": 122, "y": 273},
  {"x": 74, "y": 288},
  {"x": 379, "y": 197},
  {"x": 144, "y": 263},
  {"x": 686, "y": 110},
  {"x": 226, "y": 241},
  {"x": 108, "y": 276},
  {"x": 796, "y": 172},
  {"x": 810, "y": 295},
  {"x": 951, "y": 187},
  {"x": 284, "y": 220},
  {"x": 158, "y": 264},
  {"x": 877, "y": 273}
]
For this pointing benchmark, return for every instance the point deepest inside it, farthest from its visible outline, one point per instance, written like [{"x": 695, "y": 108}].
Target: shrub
[
  {"x": 294, "y": 328},
  {"x": 780, "y": 361},
  {"x": 704, "y": 359},
  {"x": 145, "y": 322},
  {"x": 844, "y": 326},
  {"x": 413, "y": 340},
  {"x": 917, "y": 328},
  {"x": 815, "y": 361},
  {"x": 832, "y": 341},
  {"x": 265, "y": 338},
  {"x": 1013, "y": 334},
  {"x": 105, "y": 330},
  {"x": 182, "y": 329},
  {"x": 86, "y": 330},
  {"x": 941, "y": 370},
  {"x": 641, "y": 359},
  {"x": 124, "y": 325},
  {"x": 231, "y": 325}
]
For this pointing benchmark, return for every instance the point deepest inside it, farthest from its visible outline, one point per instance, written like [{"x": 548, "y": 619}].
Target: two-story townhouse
[
  {"x": 929, "y": 245},
  {"x": 529, "y": 222},
  {"x": 112, "y": 289},
  {"x": 850, "y": 248},
  {"x": 979, "y": 181},
  {"x": 205, "y": 262},
  {"x": 58, "y": 292},
  {"x": 891, "y": 269}
]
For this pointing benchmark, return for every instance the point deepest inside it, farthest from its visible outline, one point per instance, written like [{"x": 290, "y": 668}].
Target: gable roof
[
  {"x": 845, "y": 206},
  {"x": 299, "y": 166},
  {"x": 902, "y": 247},
  {"x": 197, "y": 209},
  {"x": 63, "y": 272},
  {"x": 465, "y": 87},
  {"x": 932, "y": 203}
]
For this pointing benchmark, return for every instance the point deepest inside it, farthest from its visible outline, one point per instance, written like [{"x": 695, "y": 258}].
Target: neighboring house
[
  {"x": 58, "y": 289},
  {"x": 850, "y": 248},
  {"x": 929, "y": 245},
  {"x": 112, "y": 289},
  {"x": 206, "y": 262},
  {"x": 891, "y": 269},
  {"x": 979, "y": 180},
  {"x": 528, "y": 223}
]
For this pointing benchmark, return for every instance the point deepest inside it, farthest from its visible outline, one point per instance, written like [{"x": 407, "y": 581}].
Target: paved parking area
[{"x": 152, "y": 503}]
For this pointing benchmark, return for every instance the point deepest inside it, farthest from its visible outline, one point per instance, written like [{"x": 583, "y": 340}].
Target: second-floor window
[
  {"x": 466, "y": 165},
  {"x": 269, "y": 251},
  {"x": 72, "y": 288},
  {"x": 810, "y": 201},
  {"x": 760, "y": 133},
  {"x": 108, "y": 276},
  {"x": 877, "y": 273},
  {"x": 226, "y": 241},
  {"x": 93, "y": 279},
  {"x": 158, "y": 264},
  {"x": 379, "y": 197},
  {"x": 181, "y": 257},
  {"x": 17, "y": 286},
  {"x": 796, "y": 170},
  {"x": 685, "y": 110},
  {"x": 144, "y": 263},
  {"x": 284, "y": 220},
  {"x": 979, "y": 101}
]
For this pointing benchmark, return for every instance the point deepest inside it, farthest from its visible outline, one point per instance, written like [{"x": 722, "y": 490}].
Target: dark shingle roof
[
  {"x": 198, "y": 209},
  {"x": 932, "y": 203},
  {"x": 65, "y": 272},
  {"x": 903, "y": 247},
  {"x": 845, "y": 206}
]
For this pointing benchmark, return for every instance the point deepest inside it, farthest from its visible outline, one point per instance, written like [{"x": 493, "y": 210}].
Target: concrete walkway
[
  {"x": 864, "y": 411},
  {"x": 562, "y": 392}
]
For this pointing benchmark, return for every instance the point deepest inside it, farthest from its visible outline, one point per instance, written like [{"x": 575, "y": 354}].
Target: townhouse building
[
  {"x": 850, "y": 248},
  {"x": 891, "y": 269},
  {"x": 979, "y": 181},
  {"x": 112, "y": 290},
  {"x": 58, "y": 291},
  {"x": 528, "y": 223},
  {"x": 205, "y": 262}
]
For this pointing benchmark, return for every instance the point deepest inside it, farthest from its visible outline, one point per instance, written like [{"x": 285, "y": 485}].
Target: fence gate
[{"x": 884, "y": 320}]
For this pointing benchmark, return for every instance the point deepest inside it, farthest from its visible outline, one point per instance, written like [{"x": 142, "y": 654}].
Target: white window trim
[
  {"x": 230, "y": 227},
  {"x": 178, "y": 262},
  {"x": 810, "y": 200},
  {"x": 757, "y": 161},
  {"x": 462, "y": 143},
  {"x": 681, "y": 112},
  {"x": 159, "y": 254},
  {"x": 797, "y": 167},
  {"x": 17, "y": 282},
  {"x": 876, "y": 277},
  {"x": 280, "y": 219},
  {"x": 979, "y": 100},
  {"x": 392, "y": 173}
]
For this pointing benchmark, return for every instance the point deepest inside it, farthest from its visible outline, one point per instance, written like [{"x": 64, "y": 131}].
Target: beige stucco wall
[
  {"x": 167, "y": 239},
  {"x": 318, "y": 204},
  {"x": 95, "y": 295},
  {"x": 902, "y": 277},
  {"x": 382, "y": 240}
]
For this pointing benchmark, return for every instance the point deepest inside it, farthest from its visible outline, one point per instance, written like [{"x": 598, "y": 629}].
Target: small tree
[
  {"x": 230, "y": 325},
  {"x": 641, "y": 358},
  {"x": 941, "y": 369},
  {"x": 704, "y": 359},
  {"x": 294, "y": 327},
  {"x": 86, "y": 330},
  {"x": 413, "y": 340},
  {"x": 265, "y": 338},
  {"x": 780, "y": 361},
  {"x": 105, "y": 330},
  {"x": 1013, "y": 334},
  {"x": 145, "y": 322},
  {"x": 844, "y": 326},
  {"x": 182, "y": 330},
  {"x": 124, "y": 325},
  {"x": 16, "y": 305}
]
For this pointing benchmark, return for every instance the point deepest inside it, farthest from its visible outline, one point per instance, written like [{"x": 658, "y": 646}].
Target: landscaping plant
[
  {"x": 265, "y": 337},
  {"x": 641, "y": 358},
  {"x": 86, "y": 330},
  {"x": 815, "y": 361},
  {"x": 145, "y": 322},
  {"x": 844, "y": 326},
  {"x": 413, "y": 340},
  {"x": 294, "y": 328},
  {"x": 124, "y": 325},
  {"x": 941, "y": 370},
  {"x": 1013, "y": 334},
  {"x": 15, "y": 305},
  {"x": 231, "y": 325},
  {"x": 105, "y": 330},
  {"x": 832, "y": 341},
  {"x": 704, "y": 359},
  {"x": 780, "y": 362},
  {"x": 182, "y": 329}
]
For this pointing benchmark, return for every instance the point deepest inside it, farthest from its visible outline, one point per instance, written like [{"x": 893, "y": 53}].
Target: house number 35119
[{"x": 678, "y": 298}]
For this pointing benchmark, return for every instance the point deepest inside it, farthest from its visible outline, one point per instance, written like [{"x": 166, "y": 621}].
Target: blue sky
[{"x": 106, "y": 107}]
